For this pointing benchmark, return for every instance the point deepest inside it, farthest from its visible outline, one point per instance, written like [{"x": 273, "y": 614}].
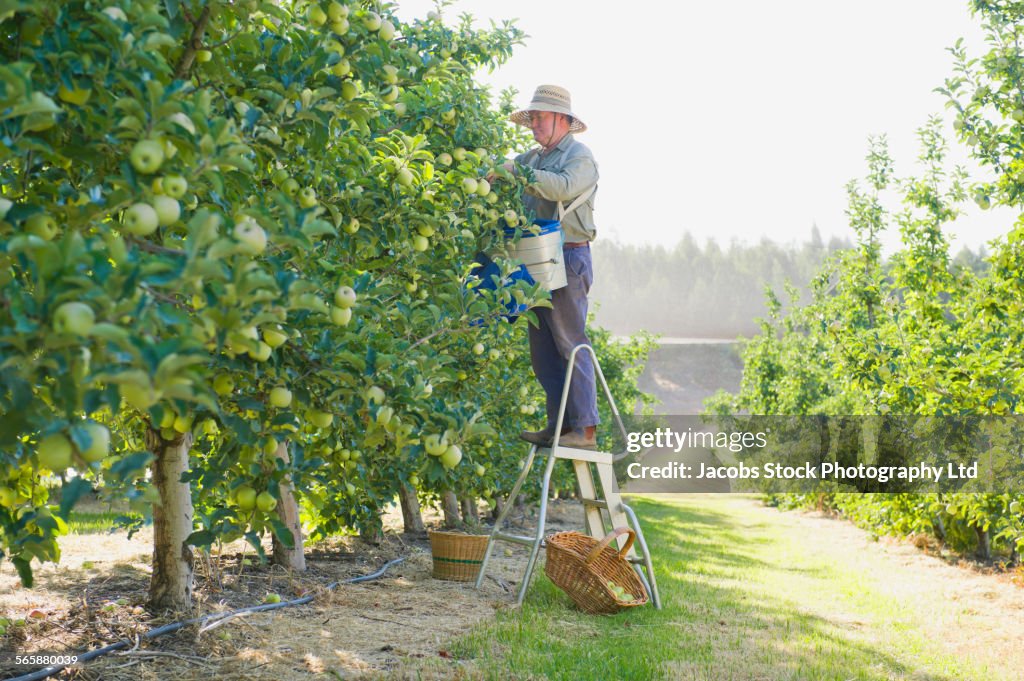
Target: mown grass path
[{"x": 754, "y": 593}]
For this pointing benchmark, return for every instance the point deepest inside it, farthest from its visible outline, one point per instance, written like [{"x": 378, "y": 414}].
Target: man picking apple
[{"x": 564, "y": 173}]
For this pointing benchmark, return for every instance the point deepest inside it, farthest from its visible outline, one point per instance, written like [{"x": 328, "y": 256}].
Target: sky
[{"x": 738, "y": 120}]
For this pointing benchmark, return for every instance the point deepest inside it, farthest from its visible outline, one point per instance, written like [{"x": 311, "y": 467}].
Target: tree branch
[{"x": 194, "y": 44}]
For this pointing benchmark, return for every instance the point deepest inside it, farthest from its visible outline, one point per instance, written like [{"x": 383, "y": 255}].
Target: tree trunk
[
  {"x": 470, "y": 511},
  {"x": 411, "y": 517},
  {"x": 984, "y": 544},
  {"x": 450, "y": 507},
  {"x": 173, "y": 561},
  {"x": 288, "y": 511},
  {"x": 499, "y": 506}
]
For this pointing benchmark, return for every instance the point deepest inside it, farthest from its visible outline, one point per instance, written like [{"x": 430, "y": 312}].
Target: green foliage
[
  {"x": 918, "y": 334},
  {"x": 189, "y": 191}
]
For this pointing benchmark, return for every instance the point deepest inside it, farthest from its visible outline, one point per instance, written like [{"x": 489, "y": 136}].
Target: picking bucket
[{"x": 541, "y": 253}]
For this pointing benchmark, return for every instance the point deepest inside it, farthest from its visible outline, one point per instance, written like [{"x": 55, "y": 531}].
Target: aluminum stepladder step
[{"x": 601, "y": 513}]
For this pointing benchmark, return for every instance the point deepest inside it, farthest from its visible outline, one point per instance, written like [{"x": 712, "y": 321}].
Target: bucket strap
[{"x": 577, "y": 202}]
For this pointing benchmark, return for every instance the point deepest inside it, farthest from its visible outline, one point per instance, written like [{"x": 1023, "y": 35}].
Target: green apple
[
  {"x": 384, "y": 415},
  {"x": 350, "y": 489},
  {"x": 425, "y": 230},
  {"x": 386, "y": 31},
  {"x": 434, "y": 444},
  {"x": 279, "y": 176},
  {"x": 341, "y": 316},
  {"x": 469, "y": 185},
  {"x": 390, "y": 93},
  {"x": 372, "y": 21},
  {"x": 511, "y": 218},
  {"x": 451, "y": 457},
  {"x": 494, "y": 353},
  {"x": 448, "y": 116},
  {"x": 270, "y": 446},
  {"x": 55, "y": 452},
  {"x": 223, "y": 384},
  {"x": 321, "y": 419},
  {"x": 142, "y": 397},
  {"x": 140, "y": 219},
  {"x": 336, "y": 11},
  {"x": 411, "y": 286},
  {"x": 1015, "y": 507},
  {"x": 352, "y": 226},
  {"x": 290, "y": 186},
  {"x": 147, "y": 156},
  {"x": 74, "y": 318},
  {"x": 168, "y": 210},
  {"x": 348, "y": 91},
  {"x": 262, "y": 352},
  {"x": 478, "y": 349},
  {"x": 272, "y": 598},
  {"x": 183, "y": 422},
  {"x": 390, "y": 74},
  {"x": 203, "y": 56},
  {"x": 340, "y": 26},
  {"x": 480, "y": 470},
  {"x": 280, "y": 397},
  {"x": 483, "y": 187},
  {"x": 345, "y": 297},
  {"x": 307, "y": 197},
  {"x": 459, "y": 154},
  {"x": 99, "y": 442},
  {"x": 342, "y": 69},
  {"x": 7, "y": 498},
  {"x": 175, "y": 186},
  {"x": 250, "y": 236},
  {"x": 375, "y": 395},
  {"x": 420, "y": 243},
  {"x": 41, "y": 225},
  {"x": 444, "y": 159},
  {"x": 266, "y": 502},
  {"x": 400, "y": 108},
  {"x": 274, "y": 337},
  {"x": 316, "y": 16},
  {"x": 414, "y": 480},
  {"x": 404, "y": 177},
  {"x": 245, "y": 497}
]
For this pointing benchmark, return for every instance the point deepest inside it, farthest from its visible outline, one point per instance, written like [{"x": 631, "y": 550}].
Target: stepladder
[{"x": 603, "y": 507}]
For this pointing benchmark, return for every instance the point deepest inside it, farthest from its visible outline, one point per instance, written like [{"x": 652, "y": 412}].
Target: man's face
[{"x": 548, "y": 127}]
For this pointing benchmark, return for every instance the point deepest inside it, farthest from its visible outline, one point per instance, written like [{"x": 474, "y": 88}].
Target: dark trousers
[{"x": 562, "y": 328}]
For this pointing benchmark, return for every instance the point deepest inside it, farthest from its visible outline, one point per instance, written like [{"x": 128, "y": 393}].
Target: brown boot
[
  {"x": 542, "y": 438},
  {"x": 580, "y": 439}
]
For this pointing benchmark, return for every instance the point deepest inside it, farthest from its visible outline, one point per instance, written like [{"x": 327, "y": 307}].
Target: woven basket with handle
[{"x": 588, "y": 570}]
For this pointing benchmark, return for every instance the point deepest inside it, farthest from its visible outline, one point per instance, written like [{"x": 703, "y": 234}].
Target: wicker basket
[
  {"x": 582, "y": 566},
  {"x": 457, "y": 556}
]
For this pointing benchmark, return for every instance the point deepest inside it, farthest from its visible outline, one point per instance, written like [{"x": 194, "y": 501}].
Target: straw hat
[{"x": 549, "y": 98}]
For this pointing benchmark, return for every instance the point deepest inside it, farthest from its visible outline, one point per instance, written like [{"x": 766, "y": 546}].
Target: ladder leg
[
  {"x": 541, "y": 519},
  {"x": 642, "y": 543},
  {"x": 504, "y": 513}
]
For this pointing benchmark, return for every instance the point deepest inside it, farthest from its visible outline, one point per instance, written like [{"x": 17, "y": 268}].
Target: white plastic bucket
[{"x": 542, "y": 254}]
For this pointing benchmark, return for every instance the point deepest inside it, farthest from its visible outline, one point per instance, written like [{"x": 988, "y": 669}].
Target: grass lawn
[{"x": 743, "y": 599}]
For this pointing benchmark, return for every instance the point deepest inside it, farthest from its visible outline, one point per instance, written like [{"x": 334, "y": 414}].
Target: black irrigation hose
[{"x": 174, "y": 626}]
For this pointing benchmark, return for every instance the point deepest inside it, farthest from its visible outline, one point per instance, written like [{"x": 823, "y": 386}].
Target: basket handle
[{"x": 618, "y": 531}]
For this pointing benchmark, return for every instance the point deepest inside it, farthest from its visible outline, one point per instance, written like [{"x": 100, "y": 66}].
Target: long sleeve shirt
[{"x": 562, "y": 174}]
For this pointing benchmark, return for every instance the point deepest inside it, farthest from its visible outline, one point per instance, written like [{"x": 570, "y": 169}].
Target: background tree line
[{"x": 708, "y": 290}]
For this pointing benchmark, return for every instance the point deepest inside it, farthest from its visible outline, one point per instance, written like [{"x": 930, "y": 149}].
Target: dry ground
[
  {"x": 95, "y": 597},
  {"x": 400, "y": 626}
]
